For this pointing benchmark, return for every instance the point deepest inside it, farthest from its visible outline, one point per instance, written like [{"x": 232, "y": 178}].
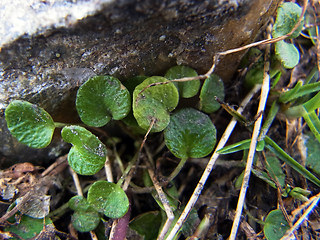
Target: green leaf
[
  {"x": 154, "y": 102},
  {"x": 28, "y": 227},
  {"x": 85, "y": 218},
  {"x": 281, "y": 154},
  {"x": 108, "y": 198},
  {"x": 85, "y": 221},
  {"x": 274, "y": 168},
  {"x": 239, "y": 146},
  {"x": 147, "y": 224},
  {"x": 287, "y": 53},
  {"x": 190, "y": 133},
  {"x": 275, "y": 225},
  {"x": 212, "y": 87},
  {"x": 288, "y": 15},
  {"x": 79, "y": 203},
  {"x": 101, "y": 99},
  {"x": 186, "y": 89},
  {"x": 313, "y": 152},
  {"x": 88, "y": 154},
  {"x": 30, "y": 124}
]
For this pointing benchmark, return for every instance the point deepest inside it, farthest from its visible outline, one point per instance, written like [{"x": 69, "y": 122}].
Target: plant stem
[
  {"x": 59, "y": 124},
  {"x": 76, "y": 181},
  {"x": 177, "y": 169}
]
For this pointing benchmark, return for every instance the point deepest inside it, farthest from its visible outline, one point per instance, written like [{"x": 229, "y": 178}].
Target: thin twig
[
  {"x": 254, "y": 140},
  {"x": 93, "y": 235},
  {"x": 207, "y": 171},
  {"x": 76, "y": 181},
  {"x": 52, "y": 167},
  {"x": 107, "y": 167},
  {"x": 313, "y": 203},
  {"x": 165, "y": 203}
]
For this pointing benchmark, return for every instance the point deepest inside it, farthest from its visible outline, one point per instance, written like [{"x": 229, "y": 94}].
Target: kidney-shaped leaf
[
  {"x": 101, "y": 99},
  {"x": 275, "y": 225},
  {"x": 85, "y": 221},
  {"x": 288, "y": 15},
  {"x": 108, "y": 198},
  {"x": 186, "y": 89},
  {"x": 287, "y": 53},
  {"x": 147, "y": 224},
  {"x": 88, "y": 154},
  {"x": 28, "y": 227},
  {"x": 30, "y": 124},
  {"x": 213, "y": 87},
  {"x": 85, "y": 218},
  {"x": 190, "y": 134},
  {"x": 154, "y": 103}
]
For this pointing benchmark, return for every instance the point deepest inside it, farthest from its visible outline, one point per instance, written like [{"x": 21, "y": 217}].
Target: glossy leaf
[
  {"x": 154, "y": 103},
  {"x": 287, "y": 53},
  {"x": 85, "y": 221},
  {"x": 85, "y": 218},
  {"x": 275, "y": 225},
  {"x": 79, "y": 203},
  {"x": 212, "y": 87},
  {"x": 87, "y": 155},
  {"x": 190, "y": 133},
  {"x": 186, "y": 89},
  {"x": 28, "y": 227},
  {"x": 30, "y": 124},
  {"x": 108, "y": 198},
  {"x": 239, "y": 146},
  {"x": 287, "y": 16},
  {"x": 101, "y": 99},
  {"x": 147, "y": 224}
]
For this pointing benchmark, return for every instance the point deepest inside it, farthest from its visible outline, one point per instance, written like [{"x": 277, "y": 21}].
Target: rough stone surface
[
  {"x": 125, "y": 38},
  {"x": 27, "y": 17}
]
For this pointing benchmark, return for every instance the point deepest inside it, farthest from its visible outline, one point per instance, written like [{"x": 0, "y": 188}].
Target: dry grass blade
[
  {"x": 165, "y": 204},
  {"x": 76, "y": 181},
  {"x": 253, "y": 144},
  {"x": 312, "y": 203}
]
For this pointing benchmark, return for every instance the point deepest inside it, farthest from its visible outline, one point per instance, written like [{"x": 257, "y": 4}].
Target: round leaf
[
  {"x": 30, "y": 124},
  {"x": 190, "y": 134},
  {"x": 108, "y": 198},
  {"x": 85, "y": 218},
  {"x": 275, "y": 225},
  {"x": 147, "y": 224},
  {"x": 28, "y": 227},
  {"x": 101, "y": 99},
  {"x": 288, "y": 15},
  {"x": 186, "y": 89},
  {"x": 85, "y": 221},
  {"x": 87, "y": 155},
  {"x": 287, "y": 53},
  {"x": 212, "y": 87},
  {"x": 154, "y": 102},
  {"x": 79, "y": 203}
]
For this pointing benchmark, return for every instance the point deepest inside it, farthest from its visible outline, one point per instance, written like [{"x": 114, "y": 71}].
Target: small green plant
[
  {"x": 151, "y": 105},
  {"x": 102, "y": 99}
]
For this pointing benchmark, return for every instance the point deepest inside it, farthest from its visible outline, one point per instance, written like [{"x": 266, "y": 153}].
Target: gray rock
[{"x": 124, "y": 38}]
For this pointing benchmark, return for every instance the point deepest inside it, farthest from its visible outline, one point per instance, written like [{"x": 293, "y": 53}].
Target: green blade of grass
[
  {"x": 276, "y": 149},
  {"x": 313, "y": 122}
]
